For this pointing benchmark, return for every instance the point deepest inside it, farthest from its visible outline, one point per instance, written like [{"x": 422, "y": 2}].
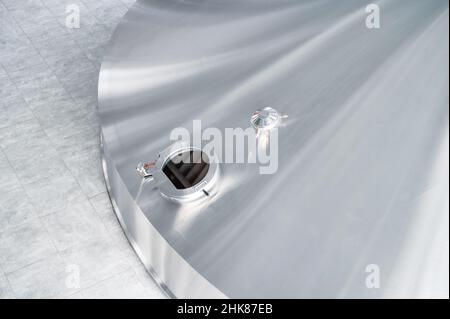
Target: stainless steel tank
[{"x": 358, "y": 205}]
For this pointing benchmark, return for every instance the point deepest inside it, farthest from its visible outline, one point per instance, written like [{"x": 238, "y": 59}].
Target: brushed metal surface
[{"x": 363, "y": 157}]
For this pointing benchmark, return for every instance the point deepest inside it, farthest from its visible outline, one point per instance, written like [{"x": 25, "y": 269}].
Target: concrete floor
[{"x": 58, "y": 235}]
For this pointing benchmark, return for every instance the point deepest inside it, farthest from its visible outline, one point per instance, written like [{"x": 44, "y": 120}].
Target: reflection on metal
[{"x": 362, "y": 179}]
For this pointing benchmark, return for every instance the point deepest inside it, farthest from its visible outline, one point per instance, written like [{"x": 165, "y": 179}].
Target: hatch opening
[{"x": 186, "y": 168}]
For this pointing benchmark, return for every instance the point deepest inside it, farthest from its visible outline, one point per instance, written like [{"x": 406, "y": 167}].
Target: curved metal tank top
[{"x": 362, "y": 182}]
